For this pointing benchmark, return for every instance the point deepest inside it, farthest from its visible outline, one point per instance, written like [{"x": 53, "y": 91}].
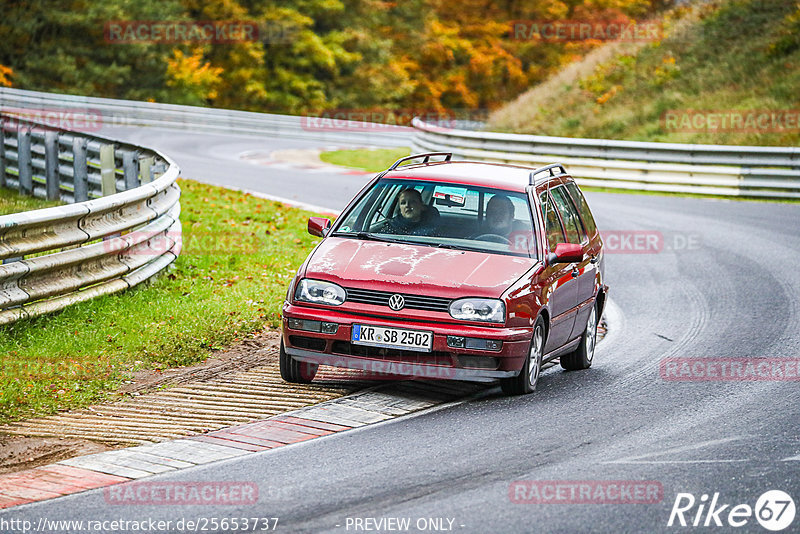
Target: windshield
[{"x": 441, "y": 214}]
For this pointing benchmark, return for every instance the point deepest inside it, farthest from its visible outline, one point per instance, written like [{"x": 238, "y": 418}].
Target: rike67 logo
[{"x": 774, "y": 510}]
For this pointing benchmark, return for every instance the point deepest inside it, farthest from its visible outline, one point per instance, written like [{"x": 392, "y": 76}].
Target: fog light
[
  {"x": 329, "y": 328},
  {"x": 483, "y": 344},
  {"x": 304, "y": 324},
  {"x": 456, "y": 342}
]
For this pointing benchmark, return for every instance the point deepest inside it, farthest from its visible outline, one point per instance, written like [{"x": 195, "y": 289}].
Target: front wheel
[
  {"x": 294, "y": 371},
  {"x": 528, "y": 377},
  {"x": 581, "y": 358}
]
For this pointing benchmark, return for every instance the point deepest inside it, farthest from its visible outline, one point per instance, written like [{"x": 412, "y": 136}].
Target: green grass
[
  {"x": 368, "y": 160},
  {"x": 240, "y": 253},
  {"x": 594, "y": 189},
  {"x": 737, "y": 55},
  {"x": 13, "y": 202}
]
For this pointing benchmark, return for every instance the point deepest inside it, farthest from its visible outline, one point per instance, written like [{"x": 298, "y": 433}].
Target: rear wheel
[
  {"x": 294, "y": 371},
  {"x": 528, "y": 377},
  {"x": 582, "y": 357}
]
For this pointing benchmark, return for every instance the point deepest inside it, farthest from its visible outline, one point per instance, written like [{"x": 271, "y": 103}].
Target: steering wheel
[{"x": 494, "y": 238}]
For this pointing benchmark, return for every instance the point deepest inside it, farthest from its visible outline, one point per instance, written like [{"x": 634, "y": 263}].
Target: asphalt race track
[{"x": 722, "y": 282}]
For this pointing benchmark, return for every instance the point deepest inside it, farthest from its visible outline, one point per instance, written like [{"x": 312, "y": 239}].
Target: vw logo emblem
[{"x": 396, "y": 302}]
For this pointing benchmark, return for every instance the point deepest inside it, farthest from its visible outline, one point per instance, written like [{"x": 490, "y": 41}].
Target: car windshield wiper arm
[
  {"x": 369, "y": 236},
  {"x": 440, "y": 245}
]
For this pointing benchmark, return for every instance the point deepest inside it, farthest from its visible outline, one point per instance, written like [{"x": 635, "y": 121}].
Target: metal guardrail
[
  {"x": 747, "y": 171},
  {"x": 120, "y": 227},
  {"x": 132, "y": 113}
]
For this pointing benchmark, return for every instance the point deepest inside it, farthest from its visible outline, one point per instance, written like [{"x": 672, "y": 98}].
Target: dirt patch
[
  {"x": 23, "y": 452},
  {"x": 18, "y": 453},
  {"x": 241, "y": 357}
]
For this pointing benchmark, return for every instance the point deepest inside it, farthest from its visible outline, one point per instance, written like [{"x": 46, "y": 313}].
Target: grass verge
[
  {"x": 13, "y": 202},
  {"x": 239, "y": 254},
  {"x": 594, "y": 189},
  {"x": 375, "y": 160}
]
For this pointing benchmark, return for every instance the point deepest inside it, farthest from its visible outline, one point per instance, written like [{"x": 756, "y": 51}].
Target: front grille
[
  {"x": 310, "y": 343},
  {"x": 478, "y": 362},
  {"x": 399, "y": 355},
  {"x": 414, "y": 302}
]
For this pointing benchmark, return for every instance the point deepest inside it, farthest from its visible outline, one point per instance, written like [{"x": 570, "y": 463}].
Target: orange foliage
[{"x": 5, "y": 75}]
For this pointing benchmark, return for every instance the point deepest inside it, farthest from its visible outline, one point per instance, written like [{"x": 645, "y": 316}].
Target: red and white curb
[{"x": 114, "y": 467}]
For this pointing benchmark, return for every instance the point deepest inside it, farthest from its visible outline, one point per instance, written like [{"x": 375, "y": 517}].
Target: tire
[
  {"x": 525, "y": 382},
  {"x": 294, "y": 371},
  {"x": 582, "y": 357}
]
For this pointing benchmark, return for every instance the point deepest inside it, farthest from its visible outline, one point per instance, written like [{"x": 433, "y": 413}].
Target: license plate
[{"x": 393, "y": 338}]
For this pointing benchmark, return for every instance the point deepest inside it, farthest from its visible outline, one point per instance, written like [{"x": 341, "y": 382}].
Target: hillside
[
  {"x": 294, "y": 56},
  {"x": 724, "y": 72}
]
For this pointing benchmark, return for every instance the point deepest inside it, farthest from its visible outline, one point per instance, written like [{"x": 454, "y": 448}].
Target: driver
[{"x": 415, "y": 217}]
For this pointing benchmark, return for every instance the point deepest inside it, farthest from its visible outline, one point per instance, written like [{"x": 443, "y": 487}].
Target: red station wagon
[{"x": 450, "y": 269}]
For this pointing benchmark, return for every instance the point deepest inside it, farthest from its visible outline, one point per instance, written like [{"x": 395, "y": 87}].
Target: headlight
[
  {"x": 319, "y": 292},
  {"x": 474, "y": 309}
]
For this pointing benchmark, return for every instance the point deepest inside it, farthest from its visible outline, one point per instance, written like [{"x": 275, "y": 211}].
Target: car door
[
  {"x": 561, "y": 288},
  {"x": 583, "y": 272},
  {"x": 587, "y": 289}
]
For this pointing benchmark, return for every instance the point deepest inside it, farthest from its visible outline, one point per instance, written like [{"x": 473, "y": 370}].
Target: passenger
[{"x": 499, "y": 216}]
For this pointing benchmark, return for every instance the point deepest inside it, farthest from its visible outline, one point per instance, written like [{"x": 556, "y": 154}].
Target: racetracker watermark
[
  {"x": 731, "y": 120},
  {"x": 585, "y": 492},
  {"x": 730, "y": 369},
  {"x": 195, "y": 32},
  {"x": 360, "y": 120},
  {"x": 182, "y": 493},
  {"x": 48, "y": 119},
  {"x": 623, "y": 30},
  {"x": 647, "y": 241},
  {"x": 141, "y": 243}
]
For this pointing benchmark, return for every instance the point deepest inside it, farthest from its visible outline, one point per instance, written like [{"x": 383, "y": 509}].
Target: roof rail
[
  {"x": 547, "y": 168},
  {"x": 427, "y": 156}
]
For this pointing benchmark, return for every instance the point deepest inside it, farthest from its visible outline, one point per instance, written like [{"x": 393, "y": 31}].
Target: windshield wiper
[
  {"x": 368, "y": 236},
  {"x": 440, "y": 245}
]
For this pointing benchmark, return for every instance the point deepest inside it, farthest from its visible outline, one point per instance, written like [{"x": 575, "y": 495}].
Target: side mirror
[
  {"x": 566, "y": 253},
  {"x": 318, "y": 226}
]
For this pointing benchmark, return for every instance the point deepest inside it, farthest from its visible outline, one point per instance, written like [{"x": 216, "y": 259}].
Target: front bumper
[{"x": 443, "y": 362}]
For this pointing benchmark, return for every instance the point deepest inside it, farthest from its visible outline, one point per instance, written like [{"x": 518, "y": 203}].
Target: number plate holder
[{"x": 391, "y": 338}]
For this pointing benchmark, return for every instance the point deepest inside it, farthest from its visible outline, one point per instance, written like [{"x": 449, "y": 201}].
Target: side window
[
  {"x": 583, "y": 208},
  {"x": 569, "y": 215},
  {"x": 553, "y": 229}
]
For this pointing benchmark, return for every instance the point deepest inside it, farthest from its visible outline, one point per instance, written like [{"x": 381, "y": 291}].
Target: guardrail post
[
  {"x": 24, "y": 161},
  {"x": 130, "y": 169},
  {"x": 80, "y": 172},
  {"x": 52, "y": 186},
  {"x": 3, "y": 153},
  {"x": 108, "y": 179},
  {"x": 145, "y": 169}
]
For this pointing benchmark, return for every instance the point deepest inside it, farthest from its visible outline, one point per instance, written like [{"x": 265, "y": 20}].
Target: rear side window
[
  {"x": 552, "y": 229},
  {"x": 569, "y": 215},
  {"x": 583, "y": 208}
]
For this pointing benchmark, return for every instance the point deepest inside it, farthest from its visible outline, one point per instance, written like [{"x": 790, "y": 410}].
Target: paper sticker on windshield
[
  {"x": 345, "y": 228},
  {"x": 450, "y": 196}
]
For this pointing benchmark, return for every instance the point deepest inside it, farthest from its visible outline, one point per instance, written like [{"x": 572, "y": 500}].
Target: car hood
[{"x": 414, "y": 269}]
